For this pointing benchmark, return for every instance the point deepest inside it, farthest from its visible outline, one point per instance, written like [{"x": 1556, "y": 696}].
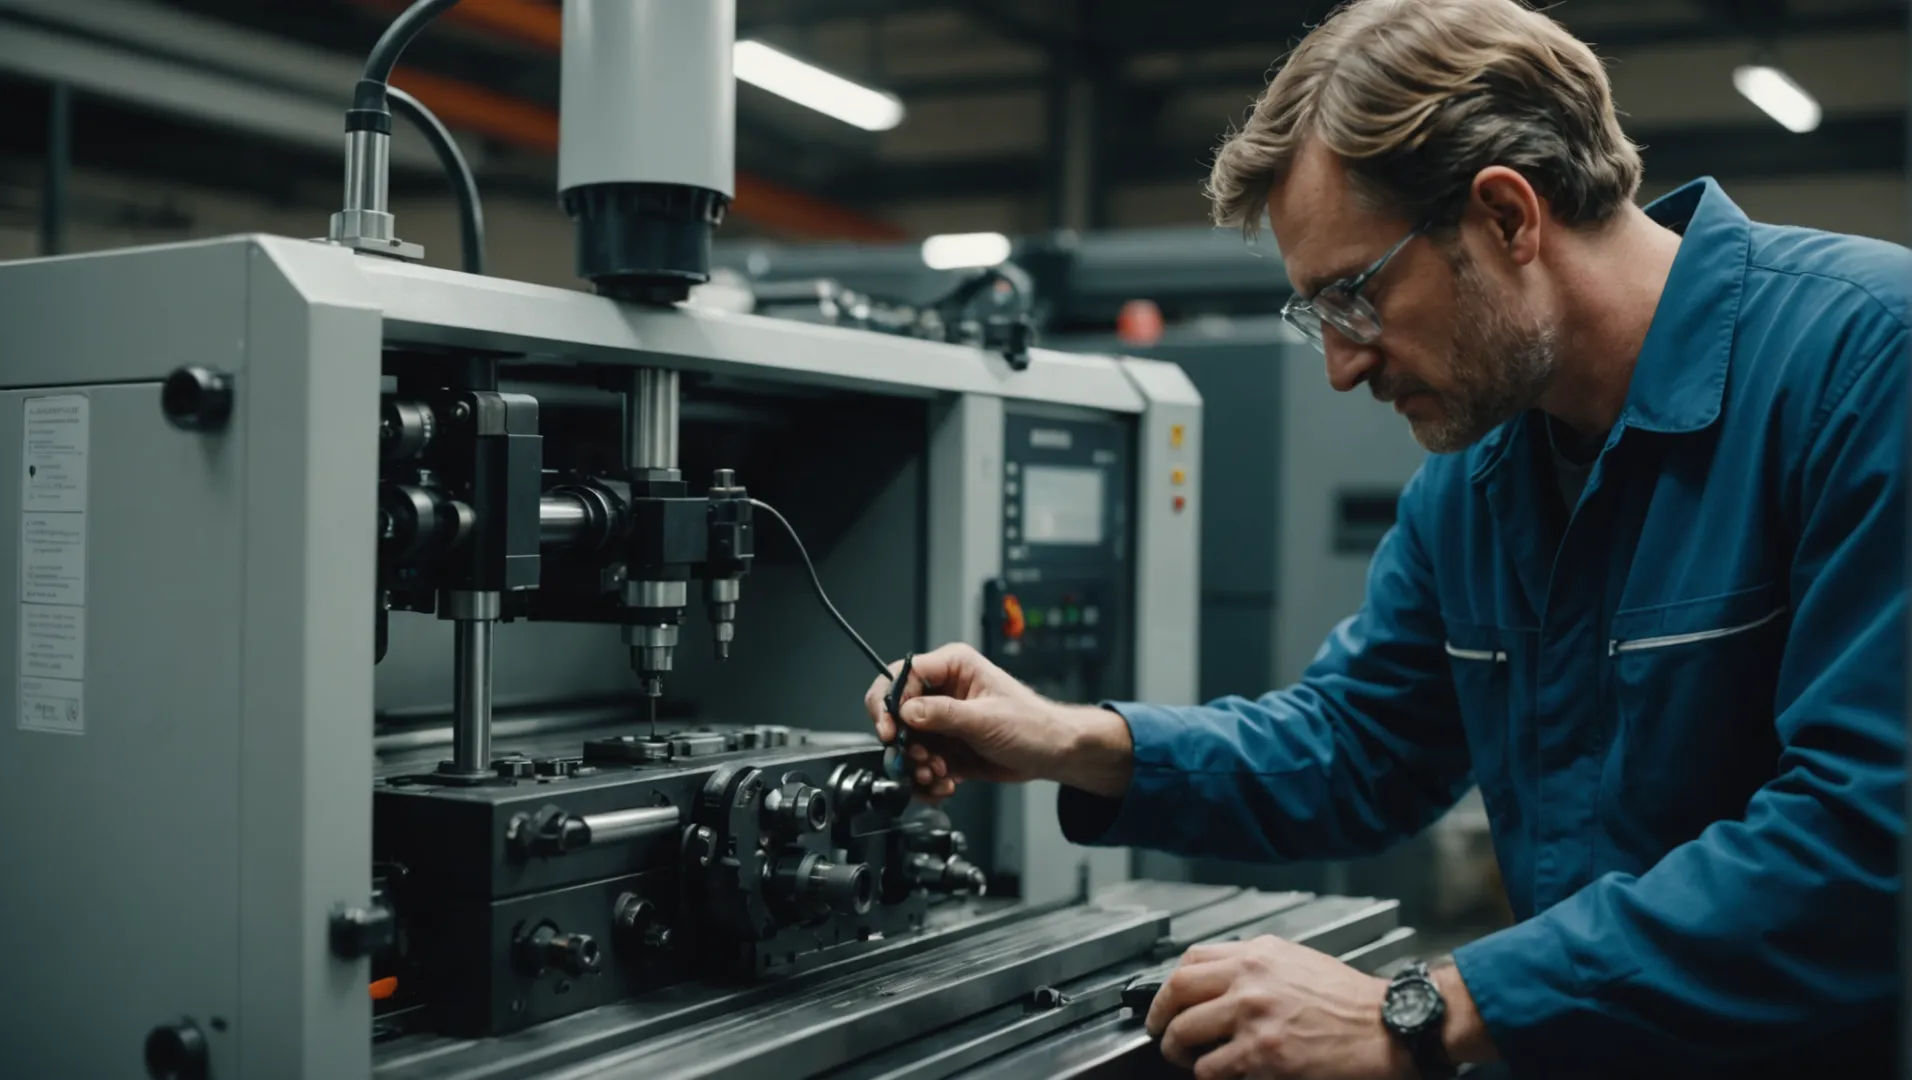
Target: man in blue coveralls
[{"x": 1648, "y": 593}]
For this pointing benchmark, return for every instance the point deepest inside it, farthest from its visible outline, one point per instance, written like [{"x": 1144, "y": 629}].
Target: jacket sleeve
[
  {"x": 1785, "y": 921},
  {"x": 1365, "y": 750}
]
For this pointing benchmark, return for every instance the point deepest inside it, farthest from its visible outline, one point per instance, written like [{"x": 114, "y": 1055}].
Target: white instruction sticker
[
  {"x": 52, "y": 623},
  {"x": 52, "y": 641},
  {"x": 55, "y": 705},
  {"x": 53, "y": 464},
  {"x": 53, "y": 558}
]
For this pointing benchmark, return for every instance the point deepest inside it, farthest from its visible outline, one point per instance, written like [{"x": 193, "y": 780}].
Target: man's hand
[
  {"x": 1271, "y": 1008},
  {"x": 976, "y": 722}
]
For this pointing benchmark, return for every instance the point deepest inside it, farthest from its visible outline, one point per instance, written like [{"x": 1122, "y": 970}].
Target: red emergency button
[
  {"x": 1012, "y": 620},
  {"x": 1180, "y": 504}
]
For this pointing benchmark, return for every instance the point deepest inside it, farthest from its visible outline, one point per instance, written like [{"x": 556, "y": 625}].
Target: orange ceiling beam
[
  {"x": 522, "y": 123},
  {"x": 521, "y": 20}
]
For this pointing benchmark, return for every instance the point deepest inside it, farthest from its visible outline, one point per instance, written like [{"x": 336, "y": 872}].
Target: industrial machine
[
  {"x": 420, "y": 674},
  {"x": 1302, "y": 481}
]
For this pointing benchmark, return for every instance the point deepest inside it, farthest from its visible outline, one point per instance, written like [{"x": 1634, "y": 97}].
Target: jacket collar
[{"x": 1679, "y": 379}]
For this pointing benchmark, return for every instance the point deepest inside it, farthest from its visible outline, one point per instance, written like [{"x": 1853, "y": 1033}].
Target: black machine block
[{"x": 729, "y": 856}]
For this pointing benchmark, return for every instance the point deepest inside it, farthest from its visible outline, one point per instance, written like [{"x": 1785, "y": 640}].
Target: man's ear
[{"x": 1512, "y": 211}]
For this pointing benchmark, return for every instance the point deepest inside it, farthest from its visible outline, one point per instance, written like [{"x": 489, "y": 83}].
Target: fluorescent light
[
  {"x": 1782, "y": 99},
  {"x": 954, "y": 251},
  {"x": 814, "y": 88}
]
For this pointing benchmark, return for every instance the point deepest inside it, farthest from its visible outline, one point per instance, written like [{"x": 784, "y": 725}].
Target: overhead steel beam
[
  {"x": 168, "y": 86},
  {"x": 208, "y": 43},
  {"x": 1735, "y": 151},
  {"x": 1004, "y": 19},
  {"x": 1279, "y": 38},
  {"x": 164, "y": 61},
  {"x": 752, "y": 18},
  {"x": 1762, "y": 150}
]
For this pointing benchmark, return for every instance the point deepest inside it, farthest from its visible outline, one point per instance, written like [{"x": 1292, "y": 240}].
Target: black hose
[
  {"x": 464, "y": 186},
  {"x": 369, "y": 108},
  {"x": 384, "y": 55}
]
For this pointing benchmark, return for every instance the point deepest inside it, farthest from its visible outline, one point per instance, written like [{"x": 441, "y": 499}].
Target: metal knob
[
  {"x": 358, "y": 932},
  {"x": 845, "y": 889},
  {"x": 177, "y": 1051},
  {"x": 197, "y": 399},
  {"x": 547, "y": 947},
  {"x": 796, "y": 808}
]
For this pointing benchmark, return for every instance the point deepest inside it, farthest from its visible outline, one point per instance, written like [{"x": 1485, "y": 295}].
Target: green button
[
  {"x": 1072, "y": 616},
  {"x": 1034, "y": 617}
]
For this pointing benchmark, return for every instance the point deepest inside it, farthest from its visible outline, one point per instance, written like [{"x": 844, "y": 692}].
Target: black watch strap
[
  {"x": 1430, "y": 1055},
  {"x": 1424, "y": 1044}
]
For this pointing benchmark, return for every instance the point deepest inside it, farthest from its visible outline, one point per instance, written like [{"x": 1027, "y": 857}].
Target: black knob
[
  {"x": 638, "y": 926},
  {"x": 197, "y": 398},
  {"x": 952, "y": 875},
  {"x": 358, "y": 932},
  {"x": 176, "y": 1051},
  {"x": 889, "y": 796},
  {"x": 847, "y": 889},
  {"x": 796, "y": 808},
  {"x": 575, "y": 955}
]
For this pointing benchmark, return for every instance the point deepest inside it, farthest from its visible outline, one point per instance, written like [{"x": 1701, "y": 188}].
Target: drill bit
[{"x": 652, "y": 703}]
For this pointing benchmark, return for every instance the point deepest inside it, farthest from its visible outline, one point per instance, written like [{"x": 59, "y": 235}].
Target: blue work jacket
[{"x": 1684, "y": 703}]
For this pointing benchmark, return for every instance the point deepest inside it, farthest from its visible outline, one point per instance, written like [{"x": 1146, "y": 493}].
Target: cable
[
  {"x": 464, "y": 186},
  {"x": 370, "y": 110},
  {"x": 384, "y": 55},
  {"x": 817, "y": 583},
  {"x": 895, "y": 764}
]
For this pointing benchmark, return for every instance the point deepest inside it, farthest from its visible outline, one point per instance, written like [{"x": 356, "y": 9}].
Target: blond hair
[{"x": 1417, "y": 96}]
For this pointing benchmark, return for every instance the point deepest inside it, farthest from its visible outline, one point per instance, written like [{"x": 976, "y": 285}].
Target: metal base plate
[{"x": 961, "y": 1000}]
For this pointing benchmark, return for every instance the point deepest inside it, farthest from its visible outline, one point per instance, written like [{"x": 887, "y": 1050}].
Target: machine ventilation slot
[{"x": 1362, "y": 518}]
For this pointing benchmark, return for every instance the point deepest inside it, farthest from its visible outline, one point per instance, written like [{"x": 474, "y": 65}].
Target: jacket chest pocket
[
  {"x": 1483, "y": 662},
  {"x": 1693, "y": 685},
  {"x": 1489, "y": 685}
]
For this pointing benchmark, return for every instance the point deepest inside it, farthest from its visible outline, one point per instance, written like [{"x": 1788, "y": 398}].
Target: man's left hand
[{"x": 1271, "y": 1008}]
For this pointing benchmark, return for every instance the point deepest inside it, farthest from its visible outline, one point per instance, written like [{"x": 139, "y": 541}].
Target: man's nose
[{"x": 1349, "y": 364}]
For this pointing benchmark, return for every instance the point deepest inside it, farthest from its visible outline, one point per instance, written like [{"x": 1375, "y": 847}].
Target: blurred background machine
[{"x": 1300, "y": 482}]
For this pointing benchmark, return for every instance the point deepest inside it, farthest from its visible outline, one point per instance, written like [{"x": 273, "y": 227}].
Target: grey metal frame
[{"x": 274, "y": 683}]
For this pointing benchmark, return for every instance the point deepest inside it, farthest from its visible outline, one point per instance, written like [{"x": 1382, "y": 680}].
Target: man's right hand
[{"x": 976, "y": 722}]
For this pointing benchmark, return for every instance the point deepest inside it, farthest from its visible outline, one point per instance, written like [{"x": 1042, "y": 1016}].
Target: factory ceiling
[{"x": 1061, "y": 108}]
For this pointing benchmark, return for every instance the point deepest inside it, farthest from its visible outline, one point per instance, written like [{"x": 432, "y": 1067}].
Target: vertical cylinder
[
  {"x": 471, "y": 695},
  {"x": 59, "y": 168},
  {"x": 651, "y": 419},
  {"x": 647, "y": 140},
  {"x": 647, "y": 94},
  {"x": 367, "y": 170}
]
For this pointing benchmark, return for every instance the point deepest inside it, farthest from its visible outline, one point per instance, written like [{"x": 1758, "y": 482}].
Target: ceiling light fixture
[
  {"x": 958, "y": 251},
  {"x": 1778, "y": 96},
  {"x": 814, "y": 88}
]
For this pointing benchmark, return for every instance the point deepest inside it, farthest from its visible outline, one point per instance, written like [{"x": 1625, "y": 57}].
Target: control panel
[{"x": 1059, "y": 616}]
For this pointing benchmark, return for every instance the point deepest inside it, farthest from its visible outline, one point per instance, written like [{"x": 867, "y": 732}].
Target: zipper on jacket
[
  {"x": 1490, "y": 656},
  {"x": 1616, "y": 647}
]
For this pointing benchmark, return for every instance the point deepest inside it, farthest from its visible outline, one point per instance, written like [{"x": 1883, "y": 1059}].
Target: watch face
[{"x": 1410, "y": 1004}]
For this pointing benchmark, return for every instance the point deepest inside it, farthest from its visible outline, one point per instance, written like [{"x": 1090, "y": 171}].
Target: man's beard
[{"x": 1498, "y": 367}]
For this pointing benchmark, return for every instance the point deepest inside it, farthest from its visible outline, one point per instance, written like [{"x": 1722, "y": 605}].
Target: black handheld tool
[{"x": 895, "y": 760}]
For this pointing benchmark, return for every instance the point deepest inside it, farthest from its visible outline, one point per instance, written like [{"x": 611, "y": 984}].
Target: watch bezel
[{"x": 1427, "y": 1007}]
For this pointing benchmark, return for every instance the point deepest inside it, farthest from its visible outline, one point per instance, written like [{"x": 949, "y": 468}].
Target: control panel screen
[{"x": 1061, "y": 505}]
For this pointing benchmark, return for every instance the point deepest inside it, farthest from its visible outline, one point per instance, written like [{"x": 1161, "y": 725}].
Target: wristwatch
[{"x": 1412, "y": 1012}]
